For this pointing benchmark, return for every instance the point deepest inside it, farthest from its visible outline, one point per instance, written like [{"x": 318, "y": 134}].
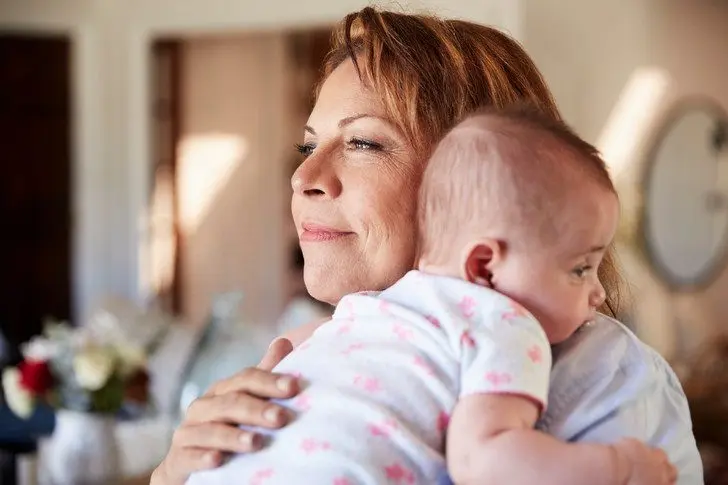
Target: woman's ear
[{"x": 479, "y": 261}]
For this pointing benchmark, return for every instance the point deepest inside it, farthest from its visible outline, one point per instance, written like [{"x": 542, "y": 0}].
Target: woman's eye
[
  {"x": 359, "y": 144},
  {"x": 306, "y": 149}
]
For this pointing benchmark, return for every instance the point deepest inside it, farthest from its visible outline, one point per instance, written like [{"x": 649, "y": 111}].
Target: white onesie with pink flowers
[{"x": 382, "y": 378}]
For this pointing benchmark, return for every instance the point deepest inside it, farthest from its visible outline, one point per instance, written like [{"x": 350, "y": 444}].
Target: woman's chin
[{"x": 331, "y": 284}]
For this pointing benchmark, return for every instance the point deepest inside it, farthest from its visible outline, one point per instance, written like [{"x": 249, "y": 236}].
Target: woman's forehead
[{"x": 343, "y": 96}]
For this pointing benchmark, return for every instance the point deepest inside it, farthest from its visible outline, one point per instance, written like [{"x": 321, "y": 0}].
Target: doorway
[{"x": 35, "y": 186}]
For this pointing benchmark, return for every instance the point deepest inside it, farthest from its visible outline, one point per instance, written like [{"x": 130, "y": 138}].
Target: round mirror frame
[{"x": 715, "y": 265}]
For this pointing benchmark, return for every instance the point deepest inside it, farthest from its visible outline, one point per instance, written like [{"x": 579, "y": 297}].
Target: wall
[
  {"x": 586, "y": 51},
  {"x": 111, "y": 41},
  {"x": 231, "y": 172},
  {"x": 616, "y": 68}
]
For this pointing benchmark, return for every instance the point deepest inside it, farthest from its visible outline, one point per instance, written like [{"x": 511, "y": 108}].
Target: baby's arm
[
  {"x": 506, "y": 362},
  {"x": 491, "y": 440}
]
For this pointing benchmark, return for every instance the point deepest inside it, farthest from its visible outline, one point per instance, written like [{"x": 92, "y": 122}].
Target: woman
[{"x": 392, "y": 85}]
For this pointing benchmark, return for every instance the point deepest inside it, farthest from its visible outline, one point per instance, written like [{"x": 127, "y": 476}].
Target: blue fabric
[
  {"x": 606, "y": 385},
  {"x": 16, "y": 431}
]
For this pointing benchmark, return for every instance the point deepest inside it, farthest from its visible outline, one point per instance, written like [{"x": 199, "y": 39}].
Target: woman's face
[{"x": 354, "y": 195}]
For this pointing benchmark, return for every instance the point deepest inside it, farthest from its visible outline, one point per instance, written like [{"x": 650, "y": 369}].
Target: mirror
[{"x": 685, "y": 221}]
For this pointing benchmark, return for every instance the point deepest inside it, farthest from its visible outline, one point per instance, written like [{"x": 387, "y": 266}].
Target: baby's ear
[{"x": 479, "y": 260}]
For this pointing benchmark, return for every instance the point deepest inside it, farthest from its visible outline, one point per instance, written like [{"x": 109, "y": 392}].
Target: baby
[{"x": 450, "y": 366}]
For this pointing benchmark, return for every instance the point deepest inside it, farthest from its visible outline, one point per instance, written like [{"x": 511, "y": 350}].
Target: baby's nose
[{"x": 598, "y": 296}]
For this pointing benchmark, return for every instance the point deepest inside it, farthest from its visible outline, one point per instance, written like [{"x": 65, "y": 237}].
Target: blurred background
[{"x": 148, "y": 147}]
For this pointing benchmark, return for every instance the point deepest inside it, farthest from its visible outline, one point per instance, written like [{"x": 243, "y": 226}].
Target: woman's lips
[{"x": 319, "y": 233}]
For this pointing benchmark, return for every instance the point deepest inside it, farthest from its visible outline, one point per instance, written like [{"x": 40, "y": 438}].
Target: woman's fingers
[
  {"x": 257, "y": 382},
  {"x": 217, "y": 437},
  {"x": 211, "y": 423},
  {"x": 238, "y": 408},
  {"x": 276, "y": 352}
]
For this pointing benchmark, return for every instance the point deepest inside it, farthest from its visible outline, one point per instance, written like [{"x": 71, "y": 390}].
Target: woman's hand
[{"x": 210, "y": 428}]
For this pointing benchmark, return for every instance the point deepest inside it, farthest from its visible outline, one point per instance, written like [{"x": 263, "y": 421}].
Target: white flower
[
  {"x": 39, "y": 349},
  {"x": 20, "y": 401},
  {"x": 132, "y": 358},
  {"x": 93, "y": 366}
]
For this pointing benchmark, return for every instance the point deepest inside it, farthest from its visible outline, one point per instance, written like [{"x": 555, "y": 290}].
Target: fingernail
[
  {"x": 272, "y": 415},
  {"x": 256, "y": 441},
  {"x": 273, "y": 342},
  {"x": 284, "y": 383},
  {"x": 210, "y": 458},
  {"x": 246, "y": 439}
]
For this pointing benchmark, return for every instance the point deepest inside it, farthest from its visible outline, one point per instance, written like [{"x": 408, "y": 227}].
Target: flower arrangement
[{"x": 94, "y": 368}]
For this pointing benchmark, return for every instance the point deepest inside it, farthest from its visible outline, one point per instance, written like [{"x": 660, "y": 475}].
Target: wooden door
[{"x": 35, "y": 183}]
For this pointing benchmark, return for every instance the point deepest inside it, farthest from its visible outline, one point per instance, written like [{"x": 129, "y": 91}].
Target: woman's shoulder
[
  {"x": 607, "y": 384},
  {"x": 604, "y": 369},
  {"x": 607, "y": 349}
]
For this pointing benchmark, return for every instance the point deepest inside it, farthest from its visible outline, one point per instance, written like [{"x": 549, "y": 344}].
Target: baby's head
[{"x": 519, "y": 203}]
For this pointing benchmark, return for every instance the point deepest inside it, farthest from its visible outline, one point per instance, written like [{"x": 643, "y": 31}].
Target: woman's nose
[
  {"x": 316, "y": 177},
  {"x": 598, "y": 295}
]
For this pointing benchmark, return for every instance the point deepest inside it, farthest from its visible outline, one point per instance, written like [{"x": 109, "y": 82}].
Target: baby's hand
[{"x": 639, "y": 464}]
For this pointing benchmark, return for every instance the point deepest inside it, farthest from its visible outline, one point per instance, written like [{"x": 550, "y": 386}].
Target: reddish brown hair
[{"x": 431, "y": 72}]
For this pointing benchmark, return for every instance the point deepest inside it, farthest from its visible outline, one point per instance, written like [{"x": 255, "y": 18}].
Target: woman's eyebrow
[{"x": 348, "y": 120}]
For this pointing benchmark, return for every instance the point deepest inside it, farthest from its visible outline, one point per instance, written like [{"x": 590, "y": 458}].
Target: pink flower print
[
  {"x": 399, "y": 474},
  {"x": 384, "y": 429},
  {"x": 343, "y": 328},
  {"x": 305, "y": 345},
  {"x": 467, "y": 340},
  {"x": 369, "y": 384},
  {"x": 342, "y": 481},
  {"x": 261, "y": 476},
  {"x": 443, "y": 419},
  {"x": 384, "y": 307},
  {"x": 498, "y": 379},
  {"x": 434, "y": 321},
  {"x": 349, "y": 306},
  {"x": 310, "y": 445},
  {"x": 351, "y": 348},
  {"x": 296, "y": 374},
  {"x": 422, "y": 364},
  {"x": 467, "y": 307},
  {"x": 402, "y": 332},
  {"x": 302, "y": 402},
  {"x": 534, "y": 353},
  {"x": 515, "y": 311},
  {"x": 378, "y": 430},
  {"x": 391, "y": 423}
]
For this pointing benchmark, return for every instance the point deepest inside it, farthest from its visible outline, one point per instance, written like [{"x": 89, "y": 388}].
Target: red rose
[{"x": 35, "y": 376}]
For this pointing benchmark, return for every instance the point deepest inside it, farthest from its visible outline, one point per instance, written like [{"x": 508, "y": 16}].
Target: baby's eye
[{"x": 581, "y": 271}]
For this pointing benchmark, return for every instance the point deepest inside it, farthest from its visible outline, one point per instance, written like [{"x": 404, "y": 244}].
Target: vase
[{"x": 83, "y": 450}]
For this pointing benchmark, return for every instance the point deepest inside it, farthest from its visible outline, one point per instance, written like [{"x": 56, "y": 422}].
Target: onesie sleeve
[{"x": 505, "y": 351}]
